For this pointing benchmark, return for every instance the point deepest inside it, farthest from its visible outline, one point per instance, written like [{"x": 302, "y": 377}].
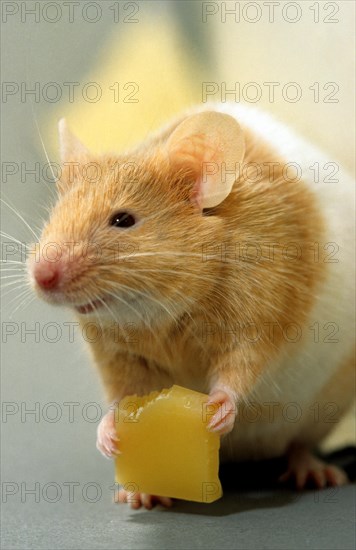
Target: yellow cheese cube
[{"x": 166, "y": 448}]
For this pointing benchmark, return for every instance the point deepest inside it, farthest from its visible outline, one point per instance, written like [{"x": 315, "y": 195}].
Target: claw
[
  {"x": 224, "y": 419},
  {"x": 107, "y": 438}
]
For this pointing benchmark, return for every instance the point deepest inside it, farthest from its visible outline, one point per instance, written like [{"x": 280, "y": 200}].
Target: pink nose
[{"x": 47, "y": 275}]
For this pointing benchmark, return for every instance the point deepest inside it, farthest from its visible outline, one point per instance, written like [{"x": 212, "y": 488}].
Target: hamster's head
[{"x": 125, "y": 239}]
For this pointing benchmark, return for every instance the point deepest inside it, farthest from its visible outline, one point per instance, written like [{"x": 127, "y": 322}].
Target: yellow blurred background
[{"x": 285, "y": 54}]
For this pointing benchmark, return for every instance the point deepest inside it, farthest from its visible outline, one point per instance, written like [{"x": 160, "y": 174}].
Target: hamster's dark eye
[{"x": 122, "y": 219}]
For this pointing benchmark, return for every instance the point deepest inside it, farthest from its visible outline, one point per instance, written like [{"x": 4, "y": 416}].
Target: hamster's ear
[
  {"x": 70, "y": 147},
  {"x": 73, "y": 155},
  {"x": 211, "y": 146}
]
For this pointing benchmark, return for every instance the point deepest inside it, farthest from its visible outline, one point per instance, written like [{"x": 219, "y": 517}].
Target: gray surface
[
  {"x": 249, "y": 520},
  {"x": 38, "y": 450}
]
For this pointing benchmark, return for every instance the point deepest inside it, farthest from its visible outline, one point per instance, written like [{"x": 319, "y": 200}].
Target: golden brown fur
[{"x": 207, "y": 297}]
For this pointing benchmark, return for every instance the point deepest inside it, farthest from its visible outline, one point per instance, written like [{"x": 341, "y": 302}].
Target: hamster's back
[{"x": 316, "y": 372}]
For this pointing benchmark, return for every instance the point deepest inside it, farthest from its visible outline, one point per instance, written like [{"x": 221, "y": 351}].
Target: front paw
[
  {"x": 107, "y": 440},
  {"x": 224, "y": 419}
]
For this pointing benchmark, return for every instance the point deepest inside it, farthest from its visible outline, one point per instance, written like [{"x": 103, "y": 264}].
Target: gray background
[{"x": 47, "y": 376}]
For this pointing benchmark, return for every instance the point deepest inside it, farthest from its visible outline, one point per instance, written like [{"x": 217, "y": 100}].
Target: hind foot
[
  {"x": 305, "y": 469},
  {"x": 136, "y": 500}
]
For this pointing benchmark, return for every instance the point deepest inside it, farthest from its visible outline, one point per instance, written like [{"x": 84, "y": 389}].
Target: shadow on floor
[
  {"x": 254, "y": 485},
  {"x": 263, "y": 474}
]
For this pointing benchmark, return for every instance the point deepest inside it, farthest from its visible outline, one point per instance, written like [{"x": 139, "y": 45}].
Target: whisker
[
  {"x": 214, "y": 291},
  {"x": 18, "y": 296},
  {"x": 175, "y": 318},
  {"x": 143, "y": 320},
  {"x": 13, "y": 239},
  {"x": 134, "y": 291},
  {"x": 32, "y": 298},
  {"x": 17, "y": 275},
  {"x": 7, "y": 262},
  {"x": 11, "y": 283},
  {"x": 90, "y": 301},
  {"x": 161, "y": 253},
  {"x": 27, "y": 300},
  {"x": 21, "y": 218},
  {"x": 10, "y": 269},
  {"x": 45, "y": 152}
]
